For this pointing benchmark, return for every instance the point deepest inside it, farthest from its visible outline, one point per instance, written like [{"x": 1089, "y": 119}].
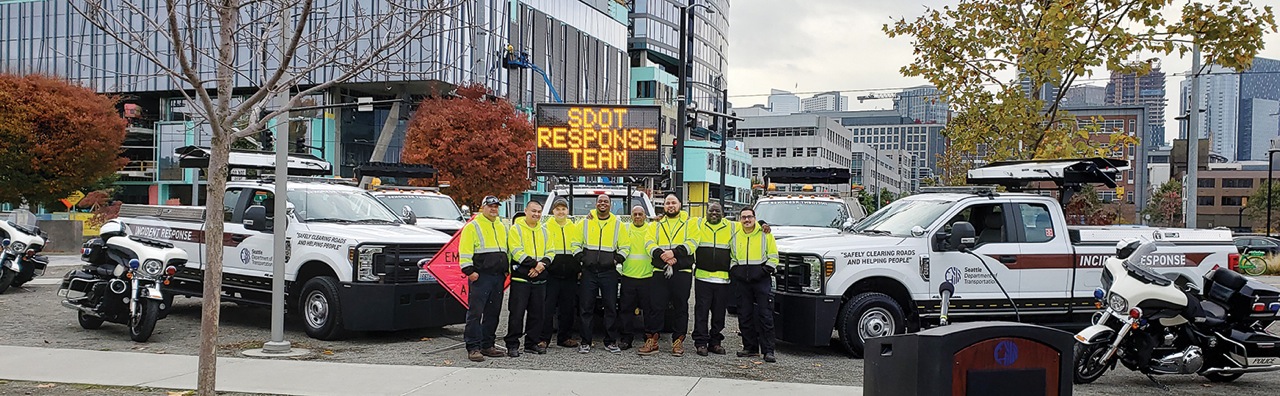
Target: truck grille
[
  {"x": 793, "y": 273},
  {"x": 399, "y": 264}
]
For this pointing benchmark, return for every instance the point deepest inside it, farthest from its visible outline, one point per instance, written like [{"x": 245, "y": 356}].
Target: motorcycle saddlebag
[
  {"x": 77, "y": 281},
  {"x": 1258, "y": 348},
  {"x": 95, "y": 252}
]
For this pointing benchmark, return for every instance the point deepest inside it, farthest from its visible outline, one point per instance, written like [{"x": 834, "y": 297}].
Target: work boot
[
  {"x": 716, "y": 349},
  {"x": 492, "y": 352},
  {"x": 650, "y": 346},
  {"x": 768, "y": 357},
  {"x": 475, "y": 356},
  {"x": 702, "y": 350},
  {"x": 570, "y": 343},
  {"x": 624, "y": 345},
  {"x": 513, "y": 352},
  {"x": 540, "y": 348},
  {"x": 677, "y": 346}
]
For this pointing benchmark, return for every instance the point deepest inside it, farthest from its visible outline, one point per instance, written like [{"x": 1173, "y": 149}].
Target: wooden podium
[{"x": 980, "y": 358}]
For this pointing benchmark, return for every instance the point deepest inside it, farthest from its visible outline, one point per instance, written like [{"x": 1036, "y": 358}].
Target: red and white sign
[{"x": 447, "y": 269}]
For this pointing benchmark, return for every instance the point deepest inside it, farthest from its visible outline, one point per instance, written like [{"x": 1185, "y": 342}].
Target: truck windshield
[
  {"x": 802, "y": 213},
  {"x": 900, "y": 217},
  {"x": 425, "y": 206},
  {"x": 340, "y": 207}
]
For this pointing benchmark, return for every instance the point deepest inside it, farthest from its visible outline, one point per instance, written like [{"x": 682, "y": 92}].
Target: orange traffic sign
[{"x": 447, "y": 270}]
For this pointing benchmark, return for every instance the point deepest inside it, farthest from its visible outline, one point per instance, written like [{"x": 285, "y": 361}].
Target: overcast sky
[{"x": 808, "y": 46}]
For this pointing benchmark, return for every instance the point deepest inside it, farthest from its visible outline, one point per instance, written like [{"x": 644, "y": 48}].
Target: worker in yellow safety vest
[
  {"x": 603, "y": 248},
  {"x": 755, "y": 256},
  {"x": 636, "y": 274},
  {"x": 672, "y": 249},
  {"x": 483, "y": 254},
  {"x": 711, "y": 286},
  {"x": 528, "y": 281},
  {"x": 563, "y": 272}
]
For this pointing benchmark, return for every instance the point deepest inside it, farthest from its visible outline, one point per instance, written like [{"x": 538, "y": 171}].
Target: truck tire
[
  {"x": 868, "y": 315},
  {"x": 320, "y": 308}
]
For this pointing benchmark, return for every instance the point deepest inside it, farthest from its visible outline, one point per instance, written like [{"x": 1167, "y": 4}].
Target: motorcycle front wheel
[
  {"x": 6, "y": 278},
  {"x": 1089, "y": 365},
  {"x": 140, "y": 329}
]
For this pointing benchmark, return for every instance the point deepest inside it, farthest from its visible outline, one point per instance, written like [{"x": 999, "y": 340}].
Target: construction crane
[{"x": 877, "y": 96}]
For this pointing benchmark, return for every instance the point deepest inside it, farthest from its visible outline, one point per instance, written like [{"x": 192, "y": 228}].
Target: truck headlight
[
  {"x": 1117, "y": 304},
  {"x": 17, "y": 247},
  {"x": 815, "y": 274},
  {"x": 364, "y": 263}
]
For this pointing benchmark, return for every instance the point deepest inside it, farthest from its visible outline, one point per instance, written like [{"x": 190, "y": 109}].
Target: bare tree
[{"x": 284, "y": 50}]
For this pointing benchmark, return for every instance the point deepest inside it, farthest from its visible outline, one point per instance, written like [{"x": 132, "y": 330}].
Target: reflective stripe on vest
[
  {"x": 586, "y": 234},
  {"x": 480, "y": 238},
  {"x": 764, "y": 253}
]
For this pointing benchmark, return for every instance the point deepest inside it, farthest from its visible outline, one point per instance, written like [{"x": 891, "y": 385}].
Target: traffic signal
[
  {"x": 732, "y": 127},
  {"x": 691, "y": 121},
  {"x": 300, "y": 145},
  {"x": 267, "y": 140}
]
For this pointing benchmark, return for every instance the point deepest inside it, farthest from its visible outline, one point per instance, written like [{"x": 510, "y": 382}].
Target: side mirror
[
  {"x": 917, "y": 231},
  {"x": 848, "y": 224},
  {"x": 255, "y": 218},
  {"x": 409, "y": 217},
  {"x": 466, "y": 212},
  {"x": 963, "y": 236}
]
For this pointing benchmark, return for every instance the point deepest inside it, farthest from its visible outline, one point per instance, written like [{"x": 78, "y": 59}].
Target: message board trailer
[{"x": 598, "y": 140}]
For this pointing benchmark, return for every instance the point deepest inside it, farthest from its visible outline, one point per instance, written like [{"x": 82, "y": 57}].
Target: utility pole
[
  {"x": 1193, "y": 137},
  {"x": 682, "y": 108},
  {"x": 724, "y": 137}
]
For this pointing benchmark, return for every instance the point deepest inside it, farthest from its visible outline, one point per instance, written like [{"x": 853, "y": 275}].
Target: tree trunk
[
  {"x": 211, "y": 300},
  {"x": 384, "y": 138}
]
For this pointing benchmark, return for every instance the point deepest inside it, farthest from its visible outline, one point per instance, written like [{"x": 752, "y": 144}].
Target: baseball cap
[
  {"x": 490, "y": 200},
  {"x": 560, "y": 202}
]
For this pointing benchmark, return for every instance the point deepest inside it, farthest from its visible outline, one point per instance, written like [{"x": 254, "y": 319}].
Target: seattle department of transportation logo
[
  {"x": 1006, "y": 353},
  {"x": 953, "y": 275},
  {"x": 244, "y": 255}
]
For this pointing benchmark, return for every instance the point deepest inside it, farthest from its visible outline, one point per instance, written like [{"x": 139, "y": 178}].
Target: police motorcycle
[
  {"x": 1151, "y": 325},
  {"x": 21, "y": 241},
  {"x": 121, "y": 281}
]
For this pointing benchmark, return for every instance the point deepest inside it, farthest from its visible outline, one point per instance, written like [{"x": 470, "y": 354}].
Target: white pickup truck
[
  {"x": 883, "y": 277},
  {"x": 806, "y": 213},
  {"x": 351, "y": 262},
  {"x": 428, "y": 206}
]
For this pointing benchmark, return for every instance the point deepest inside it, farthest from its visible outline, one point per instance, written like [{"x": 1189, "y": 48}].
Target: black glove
[
  {"x": 768, "y": 269},
  {"x": 578, "y": 256},
  {"x": 619, "y": 258}
]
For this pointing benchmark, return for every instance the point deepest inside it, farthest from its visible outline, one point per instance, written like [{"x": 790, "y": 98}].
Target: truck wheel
[
  {"x": 320, "y": 308},
  {"x": 866, "y": 316}
]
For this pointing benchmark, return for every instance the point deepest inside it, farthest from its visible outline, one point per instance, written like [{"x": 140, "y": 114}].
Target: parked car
[{"x": 1262, "y": 243}]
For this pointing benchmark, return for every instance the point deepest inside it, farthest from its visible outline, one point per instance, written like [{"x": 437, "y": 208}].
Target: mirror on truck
[
  {"x": 409, "y": 217},
  {"x": 255, "y": 218},
  {"x": 963, "y": 236}
]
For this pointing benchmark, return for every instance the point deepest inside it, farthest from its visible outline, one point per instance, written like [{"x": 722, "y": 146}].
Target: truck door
[
  {"x": 248, "y": 252},
  {"x": 1046, "y": 261},
  {"x": 976, "y": 290}
]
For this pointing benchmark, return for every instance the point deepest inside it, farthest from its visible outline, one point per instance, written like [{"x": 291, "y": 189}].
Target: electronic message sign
[{"x": 604, "y": 140}]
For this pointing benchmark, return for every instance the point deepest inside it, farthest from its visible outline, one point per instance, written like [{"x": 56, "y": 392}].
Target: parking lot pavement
[{"x": 31, "y": 316}]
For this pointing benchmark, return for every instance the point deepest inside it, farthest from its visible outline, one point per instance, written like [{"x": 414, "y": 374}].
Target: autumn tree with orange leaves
[
  {"x": 55, "y": 138},
  {"x": 476, "y": 141}
]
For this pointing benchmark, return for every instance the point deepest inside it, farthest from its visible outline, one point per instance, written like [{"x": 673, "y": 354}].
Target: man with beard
[
  {"x": 602, "y": 250},
  {"x": 672, "y": 250}
]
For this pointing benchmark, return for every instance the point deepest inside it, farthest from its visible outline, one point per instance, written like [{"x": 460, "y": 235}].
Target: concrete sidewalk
[{"x": 294, "y": 377}]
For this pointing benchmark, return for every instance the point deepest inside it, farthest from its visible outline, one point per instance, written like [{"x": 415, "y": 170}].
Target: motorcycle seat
[{"x": 1214, "y": 314}]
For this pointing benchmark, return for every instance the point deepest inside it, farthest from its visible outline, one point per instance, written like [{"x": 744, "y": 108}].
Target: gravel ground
[{"x": 32, "y": 316}]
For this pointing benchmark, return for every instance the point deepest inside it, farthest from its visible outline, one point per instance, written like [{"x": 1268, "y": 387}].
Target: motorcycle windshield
[
  {"x": 22, "y": 218},
  {"x": 1139, "y": 264}
]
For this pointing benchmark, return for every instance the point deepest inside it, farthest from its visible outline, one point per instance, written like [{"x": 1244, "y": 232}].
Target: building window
[
  {"x": 1204, "y": 201},
  {"x": 1206, "y": 183},
  {"x": 797, "y": 152},
  {"x": 782, "y": 152},
  {"x": 1237, "y": 183},
  {"x": 754, "y": 152},
  {"x": 813, "y": 152},
  {"x": 768, "y": 153},
  {"x": 1232, "y": 201}
]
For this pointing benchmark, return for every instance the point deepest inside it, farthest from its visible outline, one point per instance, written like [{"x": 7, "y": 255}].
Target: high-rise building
[
  {"x": 1048, "y": 92},
  {"x": 783, "y": 102},
  {"x": 797, "y": 140},
  {"x": 1238, "y": 109},
  {"x": 580, "y": 44},
  {"x": 826, "y": 101},
  {"x": 655, "y": 42},
  {"x": 888, "y": 131},
  {"x": 1085, "y": 95},
  {"x": 923, "y": 105},
  {"x": 1145, "y": 90}
]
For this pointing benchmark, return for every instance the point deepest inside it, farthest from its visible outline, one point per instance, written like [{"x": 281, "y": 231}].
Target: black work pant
[
  {"x": 635, "y": 294},
  {"x": 560, "y": 310},
  {"x": 711, "y": 300},
  {"x": 673, "y": 293},
  {"x": 484, "y": 305},
  {"x": 526, "y": 300},
  {"x": 755, "y": 307},
  {"x": 604, "y": 284}
]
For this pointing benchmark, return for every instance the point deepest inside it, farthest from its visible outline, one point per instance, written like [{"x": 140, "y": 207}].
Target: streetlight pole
[
  {"x": 683, "y": 92},
  {"x": 1193, "y": 138}
]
